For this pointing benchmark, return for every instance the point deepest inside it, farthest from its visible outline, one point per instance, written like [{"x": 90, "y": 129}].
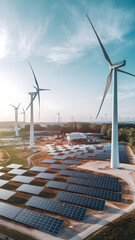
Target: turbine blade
[
  {"x": 41, "y": 89},
  {"x": 31, "y": 102},
  {"x": 125, "y": 72},
  {"x": 34, "y": 76},
  {"x": 109, "y": 79},
  {"x": 18, "y": 105},
  {"x": 12, "y": 106},
  {"x": 103, "y": 49}
]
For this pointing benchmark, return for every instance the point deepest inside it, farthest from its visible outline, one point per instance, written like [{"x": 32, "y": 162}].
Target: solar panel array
[
  {"x": 49, "y": 161},
  {"x": 57, "y": 185},
  {"x": 6, "y": 194},
  {"x": 74, "y": 162},
  {"x": 23, "y": 179},
  {"x": 88, "y": 202},
  {"x": 96, "y": 183},
  {"x": 14, "y": 165},
  {"x": 52, "y": 206},
  {"x": 100, "y": 193},
  {"x": 9, "y": 211},
  {"x": 58, "y": 166},
  {"x": 123, "y": 157},
  {"x": 97, "y": 177},
  {"x": 17, "y": 171},
  {"x": 40, "y": 221},
  {"x": 27, "y": 188},
  {"x": 3, "y": 182},
  {"x": 38, "y": 169},
  {"x": 46, "y": 175}
]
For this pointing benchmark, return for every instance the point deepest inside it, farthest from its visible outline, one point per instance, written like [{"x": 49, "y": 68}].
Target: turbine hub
[{"x": 118, "y": 65}]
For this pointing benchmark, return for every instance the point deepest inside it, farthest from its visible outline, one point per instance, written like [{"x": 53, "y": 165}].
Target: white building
[{"x": 75, "y": 135}]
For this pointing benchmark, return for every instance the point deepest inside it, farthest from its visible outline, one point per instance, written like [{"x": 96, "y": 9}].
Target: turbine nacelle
[{"x": 118, "y": 65}]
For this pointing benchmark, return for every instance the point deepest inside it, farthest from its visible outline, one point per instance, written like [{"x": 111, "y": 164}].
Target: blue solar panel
[
  {"x": 40, "y": 221},
  {"x": 81, "y": 200},
  {"x": 58, "y": 166},
  {"x": 57, "y": 185},
  {"x": 96, "y": 183},
  {"x": 9, "y": 211},
  {"x": 46, "y": 175}
]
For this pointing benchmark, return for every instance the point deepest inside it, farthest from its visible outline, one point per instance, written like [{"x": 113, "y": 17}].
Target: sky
[{"x": 57, "y": 39}]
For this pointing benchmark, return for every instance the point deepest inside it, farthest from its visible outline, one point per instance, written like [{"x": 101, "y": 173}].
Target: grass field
[
  {"x": 16, "y": 155},
  {"x": 121, "y": 229}
]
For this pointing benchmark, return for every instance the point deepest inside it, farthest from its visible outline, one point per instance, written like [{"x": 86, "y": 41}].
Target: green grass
[{"x": 18, "y": 156}]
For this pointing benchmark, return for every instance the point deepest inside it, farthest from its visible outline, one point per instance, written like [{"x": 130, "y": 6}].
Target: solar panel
[
  {"x": 73, "y": 212},
  {"x": 73, "y": 162},
  {"x": 1, "y": 167},
  {"x": 23, "y": 179},
  {"x": 96, "y": 177},
  {"x": 44, "y": 204},
  {"x": 52, "y": 206},
  {"x": 17, "y": 171},
  {"x": 14, "y": 165},
  {"x": 2, "y": 182},
  {"x": 100, "y": 193},
  {"x": 88, "y": 202},
  {"x": 40, "y": 221},
  {"x": 60, "y": 157},
  {"x": 57, "y": 185},
  {"x": 9, "y": 211},
  {"x": 98, "y": 183},
  {"x": 38, "y": 169},
  {"x": 27, "y": 188},
  {"x": 58, "y": 166},
  {"x": 5, "y": 194},
  {"x": 49, "y": 161},
  {"x": 46, "y": 175},
  {"x": 1, "y": 173}
]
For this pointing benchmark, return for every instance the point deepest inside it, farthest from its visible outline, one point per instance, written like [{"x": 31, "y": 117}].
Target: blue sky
[{"x": 56, "y": 37}]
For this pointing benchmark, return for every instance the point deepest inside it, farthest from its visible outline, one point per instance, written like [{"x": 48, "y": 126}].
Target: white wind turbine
[
  {"x": 114, "y": 68},
  {"x": 16, "y": 118},
  {"x": 23, "y": 112},
  {"x": 33, "y": 96}
]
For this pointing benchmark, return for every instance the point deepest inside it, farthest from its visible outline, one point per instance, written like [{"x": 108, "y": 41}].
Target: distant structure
[
  {"x": 75, "y": 135},
  {"x": 33, "y": 96},
  {"x": 23, "y": 117},
  {"x": 114, "y": 68},
  {"x": 16, "y": 118},
  {"x": 59, "y": 117},
  {"x": 85, "y": 138}
]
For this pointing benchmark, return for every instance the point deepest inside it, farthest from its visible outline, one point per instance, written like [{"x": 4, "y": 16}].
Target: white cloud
[{"x": 23, "y": 41}]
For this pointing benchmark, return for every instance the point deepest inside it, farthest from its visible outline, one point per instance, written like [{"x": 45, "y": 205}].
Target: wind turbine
[
  {"x": 23, "y": 117},
  {"x": 59, "y": 118},
  {"x": 114, "y": 68},
  {"x": 16, "y": 118},
  {"x": 33, "y": 96}
]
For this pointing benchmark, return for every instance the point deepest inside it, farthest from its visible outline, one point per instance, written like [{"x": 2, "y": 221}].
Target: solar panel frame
[
  {"x": 9, "y": 211},
  {"x": 22, "y": 179},
  {"x": 6, "y": 194},
  {"x": 32, "y": 189},
  {"x": 40, "y": 221},
  {"x": 58, "y": 166},
  {"x": 46, "y": 175},
  {"x": 77, "y": 199},
  {"x": 17, "y": 171},
  {"x": 3, "y": 182},
  {"x": 12, "y": 165},
  {"x": 38, "y": 169},
  {"x": 73, "y": 212},
  {"x": 57, "y": 185}
]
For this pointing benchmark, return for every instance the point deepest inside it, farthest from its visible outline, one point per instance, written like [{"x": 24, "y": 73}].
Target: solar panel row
[
  {"x": 52, "y": 206},
  {"x": 97, "y": 183},
  {"x": 36, "y": 220},
  {"x": 100, "y": 193},
  {"x": 57, "y": 185},
  {"x": 88, "y": 202},
  {"x": 79, "y": 174}
]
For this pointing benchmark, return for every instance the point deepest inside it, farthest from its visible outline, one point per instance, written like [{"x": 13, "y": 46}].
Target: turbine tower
[
  {"x": 114, "y": 68},
  {"x": 23, "y": 117},
  {"x": 59, "y": 118},
  {"x": 16, "y": 118},
  {"x": 33, "y": 96}
]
